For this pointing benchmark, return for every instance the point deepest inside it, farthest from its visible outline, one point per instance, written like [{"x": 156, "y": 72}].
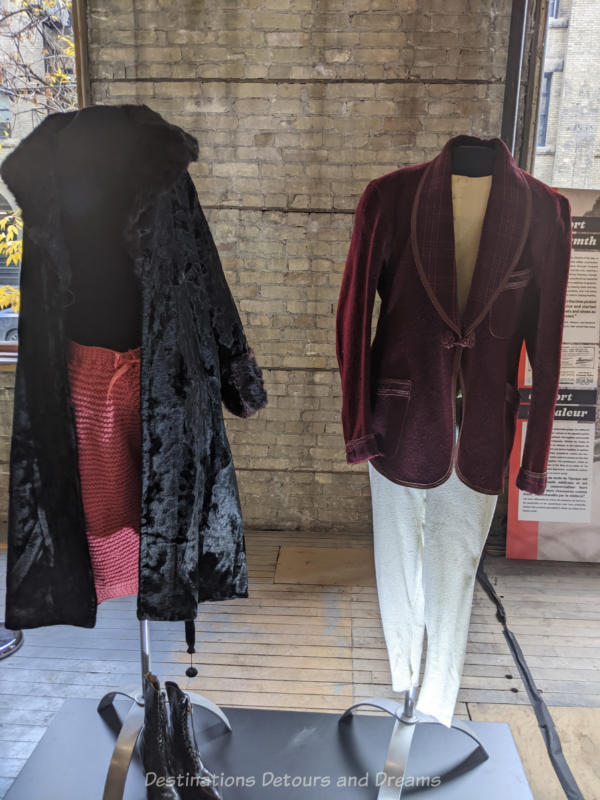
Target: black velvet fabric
[{"x": 194, "y": 356}]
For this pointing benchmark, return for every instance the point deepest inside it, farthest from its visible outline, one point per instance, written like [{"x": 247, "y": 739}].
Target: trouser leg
[
  {"x": 398, "y": 523},
  {"x": 457, "y": 521}
]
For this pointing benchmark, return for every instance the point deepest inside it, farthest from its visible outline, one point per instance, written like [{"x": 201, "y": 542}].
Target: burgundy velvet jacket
[{"x": 399, "y": 393}]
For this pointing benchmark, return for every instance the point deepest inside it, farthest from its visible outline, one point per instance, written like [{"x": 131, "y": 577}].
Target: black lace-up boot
[
  {"x": 154, "y": 744},
  {"x": 195, "y": 781}
]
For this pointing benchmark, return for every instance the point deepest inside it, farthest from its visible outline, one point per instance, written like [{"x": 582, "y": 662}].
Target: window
[
  {"x": 5, "y": 126},
  {"x": 37, "y": 78},
  {"x": 544, "y": 109},
  {"x": 554, "y": 8},
  {"x": 567, "y": 152}
]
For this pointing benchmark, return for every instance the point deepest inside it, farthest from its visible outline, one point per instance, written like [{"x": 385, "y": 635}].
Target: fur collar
[{"x": 30, "y": 171}]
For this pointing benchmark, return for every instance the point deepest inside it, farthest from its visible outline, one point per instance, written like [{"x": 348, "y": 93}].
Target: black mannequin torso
[
  {"x": 473, "y": 161},
  {"x": 97, "y": 165}
]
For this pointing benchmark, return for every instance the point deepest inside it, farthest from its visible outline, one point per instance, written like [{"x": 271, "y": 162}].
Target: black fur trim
[{"x": 242, "y": 386}]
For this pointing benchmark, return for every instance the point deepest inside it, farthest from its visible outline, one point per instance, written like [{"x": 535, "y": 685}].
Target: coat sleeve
[
  {"x": 242, "y": 388},
  {"x": 543, "y": 339},
  {"x": 353, "y": 325}
]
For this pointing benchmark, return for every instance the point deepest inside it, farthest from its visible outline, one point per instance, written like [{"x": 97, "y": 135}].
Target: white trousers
[{"x": 427, "y": 546}]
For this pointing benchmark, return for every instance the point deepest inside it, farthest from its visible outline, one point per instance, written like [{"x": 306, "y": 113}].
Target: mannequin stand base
[
  {"x": 406, "y": 721},
  {"x": 129, "y": 730},
  {"x": 10, "y": 641},
  {"x": 320, "y": 758}
]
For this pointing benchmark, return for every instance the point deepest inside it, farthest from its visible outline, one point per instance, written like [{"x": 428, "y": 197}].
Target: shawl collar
[{"x": 503, "y": 237}]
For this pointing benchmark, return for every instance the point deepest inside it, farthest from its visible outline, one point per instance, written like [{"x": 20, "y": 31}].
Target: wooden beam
[{"x": 82, "y": 70}]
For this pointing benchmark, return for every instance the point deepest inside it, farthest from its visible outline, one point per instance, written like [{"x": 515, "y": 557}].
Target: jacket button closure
[{"x": 450, "y": 340}]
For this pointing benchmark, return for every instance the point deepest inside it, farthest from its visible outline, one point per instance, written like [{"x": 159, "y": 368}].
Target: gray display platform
[{"x": 327, "y": 759}]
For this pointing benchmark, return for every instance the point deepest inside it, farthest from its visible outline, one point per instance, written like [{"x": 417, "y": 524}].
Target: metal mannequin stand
[
  {"x": 130, "y": 727},
  {"x": 407, "y": 718},
  {"x": 10, "y": 641}
]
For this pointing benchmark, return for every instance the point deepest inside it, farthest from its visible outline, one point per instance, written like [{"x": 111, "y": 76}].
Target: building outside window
[{"x": 568, "y": 132}]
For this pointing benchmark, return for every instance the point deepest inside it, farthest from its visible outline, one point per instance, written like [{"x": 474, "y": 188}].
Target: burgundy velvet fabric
[{"x": 398, "y": 392}]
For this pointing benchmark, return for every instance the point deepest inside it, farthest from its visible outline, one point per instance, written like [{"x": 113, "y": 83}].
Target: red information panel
[
  {"x": 521, "y": 535},
  {"x": 563, "y": 524}
]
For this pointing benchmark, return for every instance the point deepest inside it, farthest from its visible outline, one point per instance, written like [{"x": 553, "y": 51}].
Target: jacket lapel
[{"x": 503, "y": 237}]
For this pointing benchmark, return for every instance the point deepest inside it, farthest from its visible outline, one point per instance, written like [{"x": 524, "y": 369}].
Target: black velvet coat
[{"x": 194, "y": 355}]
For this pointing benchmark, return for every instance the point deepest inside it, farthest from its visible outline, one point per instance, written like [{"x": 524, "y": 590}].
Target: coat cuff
[
  {"x": 242, "y": 388},
  {"x": 362, "y": 449},
  {"x": 533, "y": 482}
]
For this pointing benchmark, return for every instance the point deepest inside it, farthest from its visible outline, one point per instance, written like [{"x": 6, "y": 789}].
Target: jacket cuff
[
  {"x": 242, "y": 388},
  {"x": 362, "y": 449},
  {"x": 533, "y": 482}
]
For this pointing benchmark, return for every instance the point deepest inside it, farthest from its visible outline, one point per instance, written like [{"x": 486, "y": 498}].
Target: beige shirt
[{"x": 469, "y": 203}]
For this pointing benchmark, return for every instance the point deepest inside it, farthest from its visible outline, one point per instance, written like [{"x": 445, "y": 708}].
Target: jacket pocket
[
  {"x": 389, "y": 413},
  {"x": 506, "y": 310}
]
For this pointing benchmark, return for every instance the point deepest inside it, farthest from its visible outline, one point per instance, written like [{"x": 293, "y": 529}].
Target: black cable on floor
[{"x": 545, "y": 721}]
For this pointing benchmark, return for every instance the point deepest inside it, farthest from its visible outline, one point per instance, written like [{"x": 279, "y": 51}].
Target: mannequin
[
  {"x": 105, "y": 307},
  {"x": 472, "y": 168},
  {"x": 192, "y": 358},
  {"x": 471, "y": 184},
  {"x": 469, "y": 255},
  {"x": 97, "y": 161},
  {"x": 435, "y": 536}
]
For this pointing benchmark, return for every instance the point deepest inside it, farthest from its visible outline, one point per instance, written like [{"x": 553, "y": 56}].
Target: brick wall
[{"x": 296, "y": 105}]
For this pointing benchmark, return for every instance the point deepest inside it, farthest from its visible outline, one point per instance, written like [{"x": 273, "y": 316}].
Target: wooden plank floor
[{"x": 307, "y": 647}]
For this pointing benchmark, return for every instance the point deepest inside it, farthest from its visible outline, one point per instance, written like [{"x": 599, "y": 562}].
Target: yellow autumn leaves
[{"x": 11, "y": 247}]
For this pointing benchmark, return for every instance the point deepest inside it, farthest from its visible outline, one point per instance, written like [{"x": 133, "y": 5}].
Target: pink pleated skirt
[{"x": 105, "y": 393}]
